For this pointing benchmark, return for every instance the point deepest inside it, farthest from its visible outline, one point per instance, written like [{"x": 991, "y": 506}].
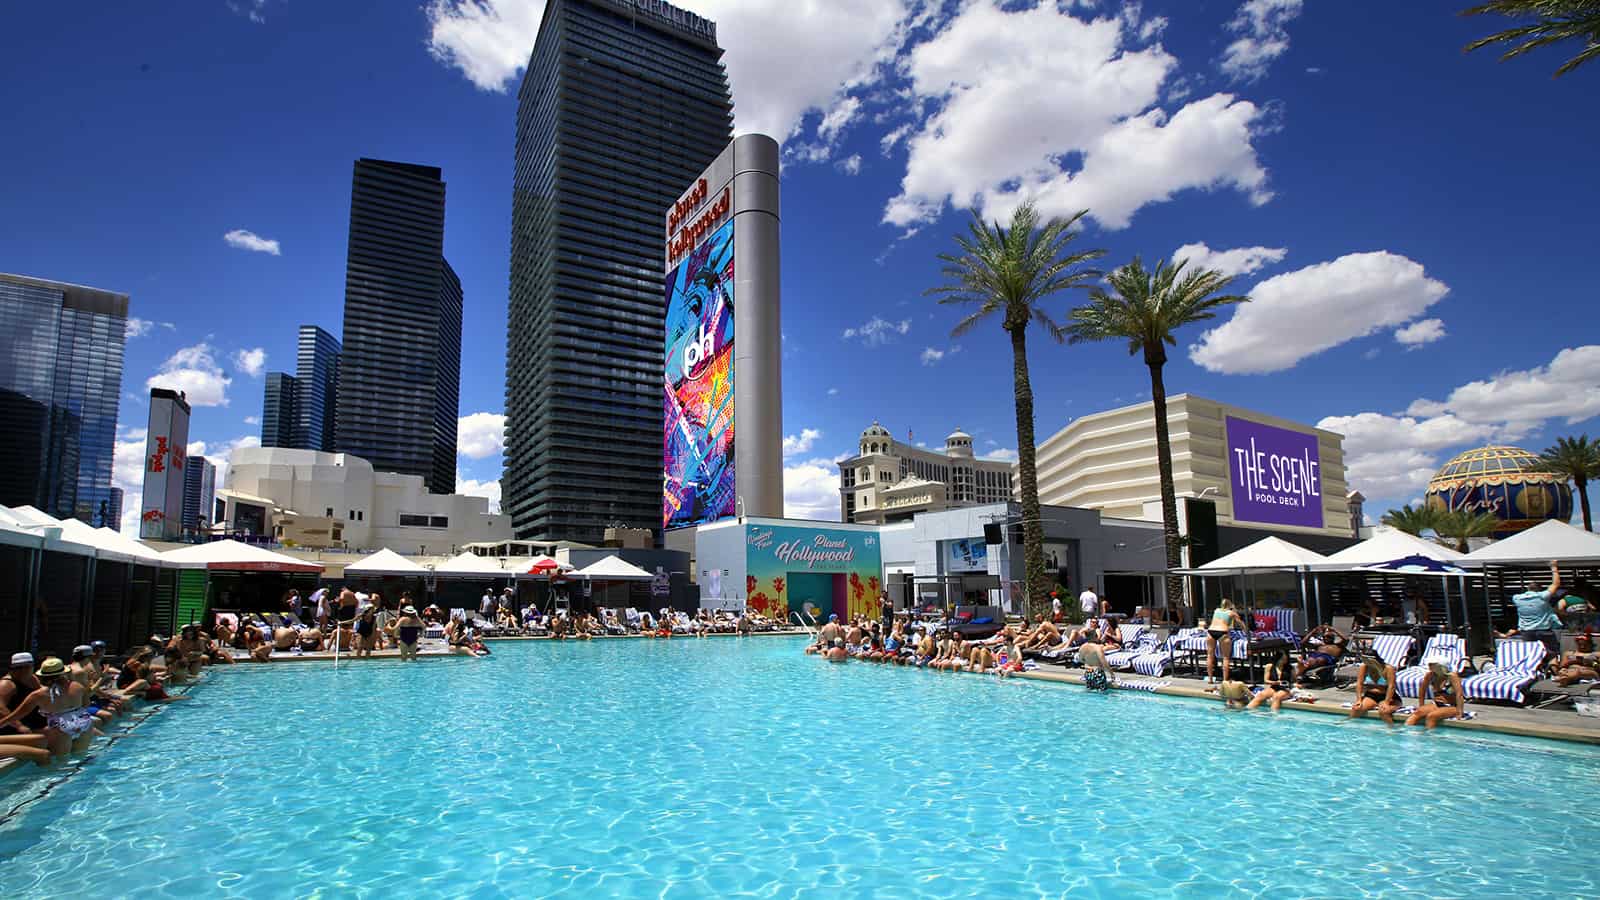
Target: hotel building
[{"x": 891, "y": 481}]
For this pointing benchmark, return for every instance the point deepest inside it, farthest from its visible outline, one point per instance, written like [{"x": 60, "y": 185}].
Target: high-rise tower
[
  {"x": 400, "y": 371},
  {"x": 316, "y": 373},
  {"x": 60, "y": 381},
  {"x": 623, "y": 103}
]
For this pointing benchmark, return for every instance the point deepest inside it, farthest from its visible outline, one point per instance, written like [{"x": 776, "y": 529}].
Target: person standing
[
  {"x": 1089, "y": 602},
  {"x": 319, "y": 606},
  {"x": 1219, "y": 639},
  {"x": 291, "y": 603},
  {"x": 486, "y": 605},
  {"x": 886, "y": 606},
  {"x": 1537, "y": 618}
]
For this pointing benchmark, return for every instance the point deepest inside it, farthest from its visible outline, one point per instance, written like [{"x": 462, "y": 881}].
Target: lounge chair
[
  {"x": 1515, "y": 668},
  {"x": 1156, "y": 662},
  {"x": 1408, "y": 682},
  {"x": 1134, "y": 644},
  {"x": 1394, "y": 649}
]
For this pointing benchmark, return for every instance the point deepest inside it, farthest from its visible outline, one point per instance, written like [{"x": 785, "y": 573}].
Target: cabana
[
  {"x": 1522, "y": 562},
  {"x": 388, "y": 573},
  {"x": 232, "y": 575},
  {"x": 1370, "y": 562},
  {"x": 465, "y": 575},
  {"x": 73, "y": 583},
  {"x": 610, "y": 572},
  {"x": 1268, "y": 555}
]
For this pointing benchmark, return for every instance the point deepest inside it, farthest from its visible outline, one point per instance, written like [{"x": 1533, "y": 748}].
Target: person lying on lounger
[
  {"x": 1443, "y": 688},
  {"x": 1328, "y": 653},
  {"x": 1375, "y": 690}
]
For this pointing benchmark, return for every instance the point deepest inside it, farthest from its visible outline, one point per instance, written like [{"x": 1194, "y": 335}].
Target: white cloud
[
  {"x": 785, "y": 59},
  {"x": 1038, "y": 104},
  {"x": 473, "y": 488},
  {"x": 1518, "y": 402},
  {"x": 1238, "y": 261},
  {"x": 931, "y": 355},
  {"x": 480, "y": 435},
  {"x": 252, "y": 420},
  {"x": 254, "y": 10},
  {"x": 833, "y": 392},
  {"x": 249, "y": 240},
  {"x": 850, "y": 165},
  {"x": 221, "y": 455},
  {"x": 834, "y": 122},
  {"x": 1004, "y": 453},
  {"x": 877, "y": 331},
  {"x": 138, "y": 327},
  {"x": 1423, "y": 331},
  {"x": 250, "y": 362},
  {"x": 796, "y": 444},
  {"x": 1304, "y": 312},
  {"x": 194, "y": 371},
  {"x": 1391, "y": 456},
  {"x": 811, "y": 490},
  {"x": 127, "y": 473},
  {"x": 1262, "y": 27}
]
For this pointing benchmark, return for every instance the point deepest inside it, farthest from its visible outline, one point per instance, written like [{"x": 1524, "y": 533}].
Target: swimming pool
[{"x": 696, "y": 768}]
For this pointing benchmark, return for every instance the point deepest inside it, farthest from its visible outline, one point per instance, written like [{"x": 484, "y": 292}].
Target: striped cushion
[
  {"x": 1515, "y": 667},
  {"x": 1393, "y": 648},
  {"x": 1122, "y": 659},
  {"x": 1408, "y": 683},
  {"x": 1156, "y": 662}
]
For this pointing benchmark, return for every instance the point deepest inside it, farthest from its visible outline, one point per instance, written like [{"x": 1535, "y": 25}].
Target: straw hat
[{"x": 52, "y": 666}]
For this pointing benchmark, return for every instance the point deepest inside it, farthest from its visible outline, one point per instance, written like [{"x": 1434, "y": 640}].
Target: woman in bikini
[
  {"x": 1278, "y": 689},
  {"x": 69, "y": 725},
  {"x": 1443, "y": 688},
  {"x": 1375, "y": 690},
  {"x": 1219, "y": 638}
]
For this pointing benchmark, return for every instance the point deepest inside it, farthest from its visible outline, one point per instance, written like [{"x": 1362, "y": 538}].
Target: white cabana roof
[
  {"x": 1538, "y": 545},
  {"x": 613, "y": 568},
  {"x": 1387, "y": 544},
  {"x": 16, "y": 532},
  {"x": 1266, "y": 555},
  {"x": 384, "y": 562},
  {"x": 470, "y": 564},
  {"x": 52, "y": 533},
  {"x": 233, "y": 556},
  {"x": 142, "y": 555},
  {"x": 79, "y": 532}
]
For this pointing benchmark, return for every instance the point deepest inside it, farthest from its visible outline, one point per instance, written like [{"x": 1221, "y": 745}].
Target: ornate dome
[
  {"x": 875, "y": 431},
  {"x": 1504, "y": 481}
]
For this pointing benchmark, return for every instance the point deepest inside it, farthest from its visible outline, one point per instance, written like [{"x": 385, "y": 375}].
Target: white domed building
[{"x": 891, "y": 481}]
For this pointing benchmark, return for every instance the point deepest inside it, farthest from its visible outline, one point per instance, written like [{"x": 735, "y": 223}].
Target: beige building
[
  {"x": 890, "y": 481},
  {"x": 1107, "y": 461}
]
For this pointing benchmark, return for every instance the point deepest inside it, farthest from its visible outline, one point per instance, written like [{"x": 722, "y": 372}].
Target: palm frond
[{"x": 1555, "y": 22}]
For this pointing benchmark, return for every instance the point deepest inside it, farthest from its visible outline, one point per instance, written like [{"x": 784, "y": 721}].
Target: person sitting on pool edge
[
  {"x": 1277, "y": 690},
  {"x": 1442, "y": 686},
  {"x": 837, "y": 653},
  {"x": 1375, "y": 690},
  {"x": 69, "y": 723},
  {"x": 1328, "y": 654}
]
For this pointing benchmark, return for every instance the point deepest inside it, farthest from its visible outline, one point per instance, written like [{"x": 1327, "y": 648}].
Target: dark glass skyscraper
[
  {"x": 60, "y": 380},
  {"x": 400, "y": 372},
  {"x": 624, "y": 102},
  {"x": 280, "y": 408},
  {"x": 316, "y": 372},
  {"x": 199, "y": 490}
]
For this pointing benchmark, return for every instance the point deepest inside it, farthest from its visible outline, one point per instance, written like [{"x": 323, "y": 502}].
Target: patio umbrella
[{"x": 1415, "y": 565}]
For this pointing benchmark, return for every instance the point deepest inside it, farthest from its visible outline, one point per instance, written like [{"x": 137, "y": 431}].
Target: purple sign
[{"x": 1277, "y": 475}]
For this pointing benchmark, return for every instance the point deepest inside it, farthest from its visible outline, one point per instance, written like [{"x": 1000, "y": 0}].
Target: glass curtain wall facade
[
  {"x": 199, "y": 491},
  {"x": 317, "y": 373},
  {"x": 61, "y": 348},
  {"x": 400, "y": 369},
  {"x": 623, "y": 104},
  {"x": 280, "y": 406}
]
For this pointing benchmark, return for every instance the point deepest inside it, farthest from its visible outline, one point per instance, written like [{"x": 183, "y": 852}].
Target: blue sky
[{"x": 1411, "y": 220}]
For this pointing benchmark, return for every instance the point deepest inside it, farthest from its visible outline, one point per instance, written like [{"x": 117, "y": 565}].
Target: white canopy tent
[
  {"x": 144, "y": 556},
  {"x": 233, "y": 556},
  {"x": 1386, "y": 544},
  {"x": 385, "y": 562},
  {"x": 52, "y": 531},
  {"x": 1270, "y": 554},
  {"x": 1538, "y": 545},
  {"x": 612, "y": 568},
  {"x": 18, "y": 533},
  {"x": 471, "y": 565}
]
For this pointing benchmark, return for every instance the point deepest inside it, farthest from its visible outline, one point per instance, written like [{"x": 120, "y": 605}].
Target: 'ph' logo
[{"x": 698, "y": 351}]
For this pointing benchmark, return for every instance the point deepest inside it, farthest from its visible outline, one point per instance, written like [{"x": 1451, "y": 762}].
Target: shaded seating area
[{"x": 1515, "y": 668}]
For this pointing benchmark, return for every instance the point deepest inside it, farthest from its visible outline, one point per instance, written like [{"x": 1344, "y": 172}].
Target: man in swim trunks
[
  {"x": 15, "y": 687},
  {"x": 831, "y": 631},
  {"x": 1329, "y": 652}
]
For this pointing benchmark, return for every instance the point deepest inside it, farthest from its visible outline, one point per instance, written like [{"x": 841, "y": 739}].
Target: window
[
  {"x": 409, "y": 521},
  {"x": 330, "y": 512},
  {"x": 440, "y": 522}
]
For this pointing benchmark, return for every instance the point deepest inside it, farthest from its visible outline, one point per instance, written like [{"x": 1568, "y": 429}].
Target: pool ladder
[{"x": 806, "y": 620}]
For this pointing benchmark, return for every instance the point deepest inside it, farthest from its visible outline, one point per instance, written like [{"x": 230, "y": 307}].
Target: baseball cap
[{"x": 81, "y": 650}]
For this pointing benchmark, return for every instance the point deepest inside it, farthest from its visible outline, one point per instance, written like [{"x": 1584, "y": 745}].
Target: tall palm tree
[
  {"x": 1416, "y": 522},
  {"x": 1145, "y": 308},
  {"x": 1456, "y": 525},
  {"x": 1012, "y": 271},
  {"x": 1579, "y": 459},
  {"x": 1554, "y": 22}
]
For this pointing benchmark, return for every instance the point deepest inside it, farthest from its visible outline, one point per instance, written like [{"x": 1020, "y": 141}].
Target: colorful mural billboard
[
  {"x": 697, "y": 440},
  {"x": 1276, "y": 474},
  {"x": 813, "y": 570}
]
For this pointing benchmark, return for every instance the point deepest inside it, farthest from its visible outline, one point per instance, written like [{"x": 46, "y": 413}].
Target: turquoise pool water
[{"x": 718, "y": 767}]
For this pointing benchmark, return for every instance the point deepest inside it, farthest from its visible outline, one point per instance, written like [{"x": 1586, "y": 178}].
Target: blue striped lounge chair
[
  {"x": 1408, "y": 682},
  {"x": 1136, "y": 641},
  {"x": 1515, "y": 667},
  {"x": 1393, "y": 649},
  {"x": 1156, "y": 662}
]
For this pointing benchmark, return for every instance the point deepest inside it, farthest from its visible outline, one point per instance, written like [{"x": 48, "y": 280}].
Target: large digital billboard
[
  {"x": 166, "y": 453},
  {"x": 697, "y": 440},
  {"x": 1276, "y": 474}
]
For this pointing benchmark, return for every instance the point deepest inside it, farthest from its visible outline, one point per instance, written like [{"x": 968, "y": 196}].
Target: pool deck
[{"x": 435, "y": 648}]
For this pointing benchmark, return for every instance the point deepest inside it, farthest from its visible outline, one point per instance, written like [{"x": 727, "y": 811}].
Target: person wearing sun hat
[
  {"x": 15, "y": 687},
  {"x": 407, "y": 631},
  {"x": 69, "y": 724},
  {"x": 1441, "y": 690}
]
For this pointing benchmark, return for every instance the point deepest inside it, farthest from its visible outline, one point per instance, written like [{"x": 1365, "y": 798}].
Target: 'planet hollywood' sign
[
  {"x": 1276, "y": 474},
  {"x": 810, "y": 548}
]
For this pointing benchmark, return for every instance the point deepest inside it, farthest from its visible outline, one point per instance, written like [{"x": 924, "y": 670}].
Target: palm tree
[
  {"x": 1416, "y": 522},
  {"x": 1457, "y": 525},
  {"x": 1579, "y": 460},
  {"x": 1145, "y": 308},
  {"x": 1011, "y": 271},
  {"x": 1555, "y": 22}
]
